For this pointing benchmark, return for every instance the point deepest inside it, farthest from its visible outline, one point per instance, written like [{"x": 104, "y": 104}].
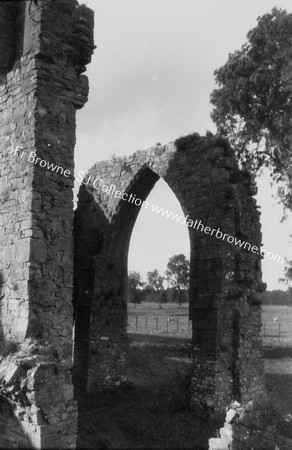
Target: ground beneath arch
[{"x": 152, "y": 410}]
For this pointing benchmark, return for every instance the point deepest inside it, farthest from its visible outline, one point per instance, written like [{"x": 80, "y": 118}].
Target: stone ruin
[
  {"x": 54, "y": 272},
  {"x": 224, "y": 279},
  {"x": 44, "y": 48}
]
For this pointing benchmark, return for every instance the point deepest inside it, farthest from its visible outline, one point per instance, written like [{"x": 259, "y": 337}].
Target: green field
[
  {"x": 152, "y": 410},
  {"x": 276, "y": 332},
  {"x": 277, "y": 324},
  {"x": 148, "y": 318}
]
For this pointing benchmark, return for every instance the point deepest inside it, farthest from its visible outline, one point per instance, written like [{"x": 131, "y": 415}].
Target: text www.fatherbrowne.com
[
  {"x": 132, "y": 198},
  {"x": 198, "y": 225},
  {"x": 185, "y": 220}
]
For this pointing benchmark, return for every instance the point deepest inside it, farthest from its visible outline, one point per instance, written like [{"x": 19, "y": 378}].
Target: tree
[
  {"x": 253, "y": 104},
  {"x": 177, "y": 274},
  {"x": 276, "y": 297},
  {"x": 288, "y": 279},
  {"x": 155, "y": 281},
  {"x": 134, "y": 282}
]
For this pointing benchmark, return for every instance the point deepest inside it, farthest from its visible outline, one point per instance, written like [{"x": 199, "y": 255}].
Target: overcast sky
[{"x": 150, "y": 81}]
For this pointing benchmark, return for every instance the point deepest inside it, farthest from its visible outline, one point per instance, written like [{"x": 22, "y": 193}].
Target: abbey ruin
[{"x": 57, "y": 272}]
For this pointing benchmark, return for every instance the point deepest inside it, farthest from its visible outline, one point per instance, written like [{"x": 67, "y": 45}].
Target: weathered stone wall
[
  {"x": 39, "y": 98},
  {"x": 224, "y": 283}
]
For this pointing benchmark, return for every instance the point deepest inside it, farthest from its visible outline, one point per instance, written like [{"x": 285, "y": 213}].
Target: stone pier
[{"x": 44, "y": 48}]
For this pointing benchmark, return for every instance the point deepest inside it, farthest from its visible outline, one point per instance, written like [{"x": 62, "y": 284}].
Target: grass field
[
  {"x": 276, "y": 332},
  {"x": 148, "y": 318},
  {"x": 152, "y": 409},
  {"x": 277, "y": 324}
]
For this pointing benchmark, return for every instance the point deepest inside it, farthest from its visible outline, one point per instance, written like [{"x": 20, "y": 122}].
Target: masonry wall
[
  {"x": 225, "y": 279},
  {"x": 38, "y": 102},
  {"x": 224, "y": 282}
]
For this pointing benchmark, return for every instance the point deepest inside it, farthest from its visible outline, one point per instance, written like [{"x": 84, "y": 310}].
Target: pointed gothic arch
[{"x": 225, "y": 280}]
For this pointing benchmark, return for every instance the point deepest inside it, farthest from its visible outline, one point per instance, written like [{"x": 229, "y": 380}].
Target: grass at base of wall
[{"x": 151, "y": 410}]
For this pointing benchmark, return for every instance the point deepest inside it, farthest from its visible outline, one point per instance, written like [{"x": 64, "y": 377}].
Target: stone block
[{"x": 219, "y": 444}]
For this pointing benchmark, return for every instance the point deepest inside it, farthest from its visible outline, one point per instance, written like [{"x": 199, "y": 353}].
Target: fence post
[{"x": 279, "y": 331}]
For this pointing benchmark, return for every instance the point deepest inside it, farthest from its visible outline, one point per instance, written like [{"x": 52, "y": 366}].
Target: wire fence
[
  {"x": 158, "y": 324},
  {"x": 181, "y": 325},
  {"x": 275, "y": 330}
]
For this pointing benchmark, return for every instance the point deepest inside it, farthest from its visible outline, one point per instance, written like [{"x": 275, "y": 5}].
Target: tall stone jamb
[
  {"x": 225, "y": 279},
  {"x": 41, "y": 87}
]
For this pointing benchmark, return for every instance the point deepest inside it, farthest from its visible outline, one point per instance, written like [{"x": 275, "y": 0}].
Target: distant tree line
[
  {"x": 277, "y": 297},
  {"x": 154, "y": 289},
  {"x": 177, "y": 290}
]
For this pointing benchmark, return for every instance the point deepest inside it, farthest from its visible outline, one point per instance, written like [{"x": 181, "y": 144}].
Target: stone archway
[{"x": 225, "y": 279}]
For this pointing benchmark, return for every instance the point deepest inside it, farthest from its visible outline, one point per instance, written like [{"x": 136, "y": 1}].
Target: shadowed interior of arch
[
  {"x": 127, "y": 212},
  {"x": 158, "y": 373}
]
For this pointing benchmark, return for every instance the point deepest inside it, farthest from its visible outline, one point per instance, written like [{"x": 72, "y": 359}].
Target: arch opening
[{"x": 158, "y": 235}]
